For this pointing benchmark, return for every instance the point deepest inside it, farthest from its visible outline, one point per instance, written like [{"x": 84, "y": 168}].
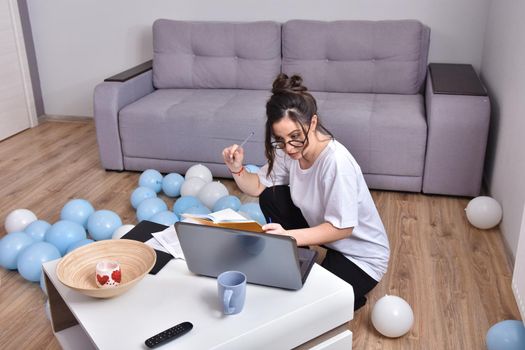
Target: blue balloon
[
  {"x": 229, "y": 201},
  {"x": 78, "y": 244},
  {"x": 151, "y": 178},
  {"x": 166, "y": 218},
  {"x": 10, "y": 247},
  {"x": 37, "y": 229},
  {"x": 30, "y": 261},
  {"x": 141, "y": 193},
  {"x": 506, "y": 335},
  {"x": 183, "y": 203},
  {"x": 77, "y": 210},
  {"x": 251, "y": 168},
  {"x": 199, "y": 209},
  {"x": 62, "y": 233},
  {"x": 150, "y": 207},
  {"x": 102, "y": 223},
  {"x": 171, "y": 184},
  {"x": 253, "y": 210}
]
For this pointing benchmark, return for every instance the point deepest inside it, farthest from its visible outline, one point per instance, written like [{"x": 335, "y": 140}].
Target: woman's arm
[{"x": 317, "y": 235}]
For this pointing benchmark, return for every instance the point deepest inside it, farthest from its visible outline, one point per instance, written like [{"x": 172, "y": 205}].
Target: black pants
[{"x": 276, "y": 204}]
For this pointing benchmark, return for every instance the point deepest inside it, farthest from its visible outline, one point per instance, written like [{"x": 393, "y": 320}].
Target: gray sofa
[{"x": 208, "y": 83}]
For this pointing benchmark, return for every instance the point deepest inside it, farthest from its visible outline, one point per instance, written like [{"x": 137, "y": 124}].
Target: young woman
[{"x": 313, "y": 189}]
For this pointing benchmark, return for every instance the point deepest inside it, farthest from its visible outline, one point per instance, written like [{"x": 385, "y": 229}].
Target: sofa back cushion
[
  {"x": 216, "y": 54},
  {"x": 357, "y": 56}
]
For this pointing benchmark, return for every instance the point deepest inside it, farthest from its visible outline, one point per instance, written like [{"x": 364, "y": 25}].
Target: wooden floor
[{"x": 456, "y": 278}]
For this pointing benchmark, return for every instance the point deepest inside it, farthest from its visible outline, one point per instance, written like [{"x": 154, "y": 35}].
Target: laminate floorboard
[{"x": 456, "y": 278}]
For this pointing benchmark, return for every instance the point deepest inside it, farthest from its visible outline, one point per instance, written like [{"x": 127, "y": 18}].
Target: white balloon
[
  {"x": 192, "y": 186},
  {"x": 47, "y": 310},
  {"x": 392, "y": 316},
  {"x": 211, "y": 192},
  {"x": 199, "y": 171},
  {"x": 484, "y": 212},
  {"x": 18, "y": 219},
  {"x": 121, "y": 231}
]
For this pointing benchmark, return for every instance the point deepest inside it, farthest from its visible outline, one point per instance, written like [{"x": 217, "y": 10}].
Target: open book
[{"x": 227, "y": 218}]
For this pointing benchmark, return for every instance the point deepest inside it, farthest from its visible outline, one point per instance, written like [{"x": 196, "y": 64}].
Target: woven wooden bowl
[{"x": 77, "y": 269}]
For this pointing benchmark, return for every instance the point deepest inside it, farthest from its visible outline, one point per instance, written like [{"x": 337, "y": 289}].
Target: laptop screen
[{"x": 266, "y": 259}]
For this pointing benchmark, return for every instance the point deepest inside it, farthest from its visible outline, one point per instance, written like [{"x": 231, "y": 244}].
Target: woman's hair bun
[{"x": 283, "y": 84}]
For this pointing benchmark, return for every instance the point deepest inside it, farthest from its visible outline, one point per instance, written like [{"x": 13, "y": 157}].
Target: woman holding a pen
[{"x": 313, "y": 189}]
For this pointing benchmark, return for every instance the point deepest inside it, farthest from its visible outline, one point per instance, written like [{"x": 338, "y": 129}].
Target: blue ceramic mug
[{"x": 232, "y": 291}]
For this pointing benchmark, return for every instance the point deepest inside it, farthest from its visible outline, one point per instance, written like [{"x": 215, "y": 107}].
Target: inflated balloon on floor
[
  {"x": 183, "y": 203},
  {"x": 253, "y": 211},
  {"x": 506, "y": 335},
  {"x": 199, "y": 171},
  {"x": 484, "y": 212},
  {"x": 37, "y": 229},
  {"x": 102, "y": 223},
  {"x": 10, "y": 247},
  {"x": 18, "y": 219},
  {"x": 151, "y": 178},
  {"x": 231, "y": 202},
  {"x": 171, "y": 184},
  {"x": 141, "y": 193},
  {"x": 29, "y": 262},
  {"x": 198, "y": 209},
  {"x": 166, "y": 218},
  {"x": 62, "y": 233},
  {"x": 77, "y": 210},
  {"x": 192, "y": 186},
  {"x": 392, "y": 316},
  {"x": 150, "y": 207},
  {"x": 251, "y": 168},
  {"x": 211, "y": 192}
]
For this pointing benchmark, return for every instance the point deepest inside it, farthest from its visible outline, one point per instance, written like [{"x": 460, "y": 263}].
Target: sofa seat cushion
[
  {"x": 386, "y": 133},
  {"x": 194, "y": 124}
]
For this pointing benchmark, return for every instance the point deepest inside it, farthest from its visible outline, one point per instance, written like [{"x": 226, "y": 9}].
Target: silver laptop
[{"x": 266, "y": 259}]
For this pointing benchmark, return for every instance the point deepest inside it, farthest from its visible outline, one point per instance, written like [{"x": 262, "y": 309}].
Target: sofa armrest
[
  {"x": 109, "y": 98},
  {"x": 458, "y": 116}
]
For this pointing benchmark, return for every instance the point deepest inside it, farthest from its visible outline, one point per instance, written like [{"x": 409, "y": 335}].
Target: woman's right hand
[{"x": 233, "y": 157}]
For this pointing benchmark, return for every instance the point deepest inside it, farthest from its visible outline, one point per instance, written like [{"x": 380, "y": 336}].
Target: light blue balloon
[
  {"x": 229, "y": 201},
  {"x": 166, "y": 218},
  {"x": 199, "y": 209},
  {"x": 30, "y": 261},
  {"x": 102, "y": 223},
  {"x": 151, "y": 178},
  {"x": 251, "y": 168},
  {"x": 506, "y": 335},
  {"x": 253, "y": 210},
  {"x": 183, "y": 203},
  {"x": 11, "y": 246},
  {"x": 150, "y": 207},
  {"x": 77, "y": 210},
  {"x": 62, "y": 233},
  {"x": 37, "y": 229},
  {"x": 171, "y": 184},
  {"x": 78, "y": 244},
  {"x": 141, "y": 193}
]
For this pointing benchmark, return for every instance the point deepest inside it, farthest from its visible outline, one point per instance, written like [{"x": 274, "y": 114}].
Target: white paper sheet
[{"x": 170, "y": 241}]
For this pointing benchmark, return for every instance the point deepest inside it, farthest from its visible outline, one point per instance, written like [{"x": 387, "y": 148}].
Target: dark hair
[{"x": 289, "y": 98}]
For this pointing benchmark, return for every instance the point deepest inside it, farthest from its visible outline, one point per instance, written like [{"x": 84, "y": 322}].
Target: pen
[
  {"x": 242, "y": 143},
  {"x": 246, "y": 139}
]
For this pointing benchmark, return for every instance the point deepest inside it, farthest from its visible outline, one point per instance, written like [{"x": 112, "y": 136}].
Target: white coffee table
[{"x": 316, "y": 316}]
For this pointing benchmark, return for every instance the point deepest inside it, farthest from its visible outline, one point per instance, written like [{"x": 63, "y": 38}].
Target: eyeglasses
[{"x": 293, "y": 143}]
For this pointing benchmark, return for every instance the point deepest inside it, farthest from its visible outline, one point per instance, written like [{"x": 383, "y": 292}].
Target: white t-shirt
[{"x": 334, "y": 190}]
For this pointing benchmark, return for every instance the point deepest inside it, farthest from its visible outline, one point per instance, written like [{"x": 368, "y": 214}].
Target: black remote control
[{"x": 169, "y": 334}]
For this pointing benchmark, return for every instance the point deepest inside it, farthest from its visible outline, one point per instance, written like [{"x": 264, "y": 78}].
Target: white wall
[
  {"x": 503, "y": 70},
  {"x": 78, "y": 43}
]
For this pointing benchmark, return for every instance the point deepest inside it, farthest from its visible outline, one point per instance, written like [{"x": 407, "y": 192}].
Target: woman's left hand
[{"x": 275, "y": 229}]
